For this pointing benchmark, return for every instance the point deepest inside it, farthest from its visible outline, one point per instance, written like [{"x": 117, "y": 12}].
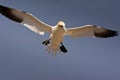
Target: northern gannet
[{"x": 54, "y": 42}]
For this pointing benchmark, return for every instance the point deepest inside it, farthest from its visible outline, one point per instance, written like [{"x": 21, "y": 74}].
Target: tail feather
[{"x": 53, "y": 48}]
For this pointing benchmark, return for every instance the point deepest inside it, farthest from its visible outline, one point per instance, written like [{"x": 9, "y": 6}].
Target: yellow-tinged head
[{"x": 61, "y": 24}]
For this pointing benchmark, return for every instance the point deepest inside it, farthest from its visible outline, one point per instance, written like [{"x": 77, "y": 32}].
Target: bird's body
[
  {"x": 56, "y": 37},
  {"x": 57, "y": 32}
]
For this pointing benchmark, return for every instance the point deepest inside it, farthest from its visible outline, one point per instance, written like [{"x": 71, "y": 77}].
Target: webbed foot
[
  {"x": 46, "y": 42},
  {"x": 63, "y": 49}
]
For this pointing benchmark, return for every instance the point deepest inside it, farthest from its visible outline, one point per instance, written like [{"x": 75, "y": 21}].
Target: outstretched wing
[
  {"x": 91, "y": 30},
  {"x": 26, "y": 19}
]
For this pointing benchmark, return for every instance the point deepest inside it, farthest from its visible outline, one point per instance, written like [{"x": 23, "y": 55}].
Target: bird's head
[{"x": 61, "y": 24}]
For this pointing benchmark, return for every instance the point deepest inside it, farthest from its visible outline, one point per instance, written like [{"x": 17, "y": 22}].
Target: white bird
[{"x": 54, "y": 43}]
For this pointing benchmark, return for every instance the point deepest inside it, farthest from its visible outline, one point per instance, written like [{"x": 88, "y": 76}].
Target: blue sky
[{"x": 23, "y": 57}]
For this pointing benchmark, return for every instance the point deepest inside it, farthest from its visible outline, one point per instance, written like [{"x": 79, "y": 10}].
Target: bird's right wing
[
  {"x": 26, "y": 19},
  {"x": 92, "y": 31}
]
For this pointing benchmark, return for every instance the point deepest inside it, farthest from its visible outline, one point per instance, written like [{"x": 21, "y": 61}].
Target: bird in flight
[{"x": 55, "y": 41}]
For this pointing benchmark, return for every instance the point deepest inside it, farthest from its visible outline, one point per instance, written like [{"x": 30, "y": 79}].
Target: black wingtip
[
  {"x": 8, "y": 12},
  {"x": 107, "y": 33}
]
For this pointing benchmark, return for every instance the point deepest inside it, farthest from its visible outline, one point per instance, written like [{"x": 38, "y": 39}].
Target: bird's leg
[
  {"x": 46, "y": 42},
  {"x": 62, "y": 48}
]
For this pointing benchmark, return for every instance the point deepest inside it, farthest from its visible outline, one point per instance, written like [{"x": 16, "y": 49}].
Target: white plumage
[{"x": 57, "y": 32}]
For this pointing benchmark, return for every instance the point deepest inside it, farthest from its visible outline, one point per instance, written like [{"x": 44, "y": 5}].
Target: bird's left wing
[
  {"x": 91, "y": 30},
  {"x": 27, "y": 19}
]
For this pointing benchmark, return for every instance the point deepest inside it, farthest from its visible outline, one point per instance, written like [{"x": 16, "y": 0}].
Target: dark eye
[{"x": 61, "y": 26}]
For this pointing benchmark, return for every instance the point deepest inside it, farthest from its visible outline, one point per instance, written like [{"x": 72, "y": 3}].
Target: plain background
[{"x": 23, "y": 57}]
